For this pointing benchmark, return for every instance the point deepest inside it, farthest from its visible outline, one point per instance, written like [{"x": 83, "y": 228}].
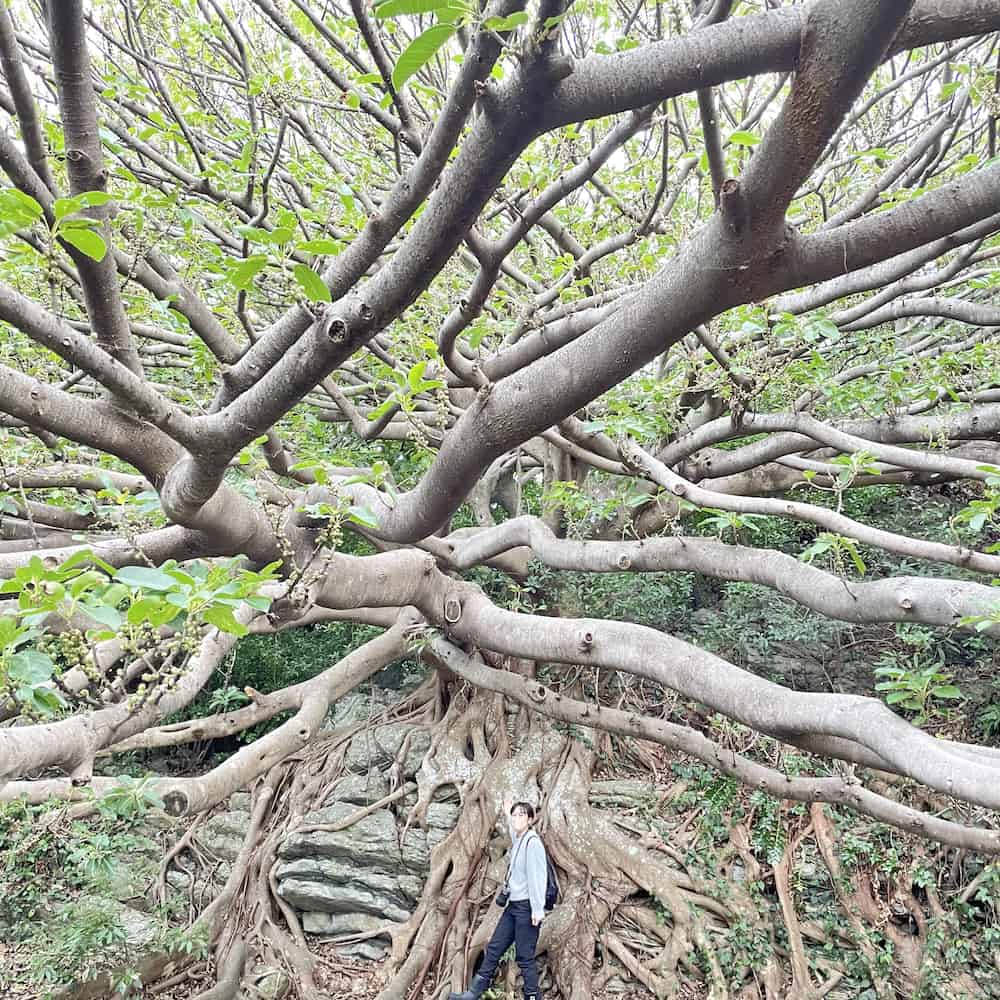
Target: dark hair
[{"x": 526, "y": 806}]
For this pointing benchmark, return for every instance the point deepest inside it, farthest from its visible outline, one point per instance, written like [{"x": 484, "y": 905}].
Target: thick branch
[{"x": 85, "y": 166}]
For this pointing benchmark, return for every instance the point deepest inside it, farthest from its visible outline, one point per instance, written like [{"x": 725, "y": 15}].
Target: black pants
[{"x": 515, "y": 928}]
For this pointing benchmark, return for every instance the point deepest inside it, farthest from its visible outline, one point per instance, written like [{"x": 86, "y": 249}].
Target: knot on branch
[
  {"x": 175, "y": 803},
  {"x": 338, "y": 331},
  {"x": 733, "y": 206},
  {"x": 624, "y": 562},
  {"x": 585, "y": 640},
  {"x": 537, "y": 692},
  {"x": 486, "y": 95},
  {"x": 558, "y": 67},
  {"x": 452, "y": 609}
]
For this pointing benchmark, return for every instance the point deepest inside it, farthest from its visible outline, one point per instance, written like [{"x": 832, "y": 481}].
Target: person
[{"x": 524, "y": 909}]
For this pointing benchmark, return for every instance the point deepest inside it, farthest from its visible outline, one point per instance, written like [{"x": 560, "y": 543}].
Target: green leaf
[
  {"x": 17, "y": 210},
  {"x": 146, "y": 609},
  {"x": 103, "y": 614},
  {"x": 363, "y": 516},
  {"x": 85, "y": 240},
  {"x": 258, "y": 602},
  {"x": 30, "y": 667},
  {"x": 946, "y": 691},
  {"x": 9, "y": 631},
  {"x": 393, "y": 8},
  {"x": 419, "y": 52},
  {"x": 146, "y": 578},
  {"x": 740, "y": 138},
  {"x": 475, "y": 334},
  {"x": 93, "y": 199},
  {"x": 508, "y": 23},
  {"x": 223, "y": 619},
  {"x": 382, "y": 409},
  {"x": 42, "y": 700},
  {"x": 324, "y": 246},
  {"x": 415, "y": 375},
  {"x": 243, "y": 274},
  {"x": 311, "y": 283},
  {"x": 62, "y": 207}
]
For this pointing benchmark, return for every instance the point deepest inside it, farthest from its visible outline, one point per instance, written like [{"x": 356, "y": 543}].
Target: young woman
[{"x": 524, "y": 910}]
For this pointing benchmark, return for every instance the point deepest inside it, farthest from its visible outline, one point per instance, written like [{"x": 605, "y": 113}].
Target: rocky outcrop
[{"x": 365, "y": 877}]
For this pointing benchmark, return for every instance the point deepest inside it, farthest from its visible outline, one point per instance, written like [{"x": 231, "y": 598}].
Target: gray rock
[
  {"x": 340, "y": 924},
  {"x": 369, "y": 950},
  {"x": 442, "y": 816},
  {"x": 239, "y": 802},
  {"x": 269, "y": 983},
  {"x": 129, "y": 878},
  {"x": 141, "y": 929},
  {"x": 352, "y": 708},
  {"x": 378, "y": 746},
  {"x": 373, "y": 842},
  {"x": 328, "y": 897},
  {"x": 223, "y": 835},
  {"x": 178, "y": 879},
  {"x": 360, "y": 789},
  {"x": 441, "y": 820},
  {"x": 400, "y": 889}
]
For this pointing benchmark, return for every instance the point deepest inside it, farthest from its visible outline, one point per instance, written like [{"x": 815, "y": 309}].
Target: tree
[{"x": 276, "y": 274}]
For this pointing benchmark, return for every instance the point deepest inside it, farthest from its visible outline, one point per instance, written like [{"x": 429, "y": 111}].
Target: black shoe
[{"x": 476, "y": 989}]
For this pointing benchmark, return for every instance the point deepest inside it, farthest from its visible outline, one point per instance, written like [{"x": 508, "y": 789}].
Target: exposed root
[{"x": 610, "y": 865}]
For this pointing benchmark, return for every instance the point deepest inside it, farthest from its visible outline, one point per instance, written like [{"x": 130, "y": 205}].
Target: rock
[
  {"x": 329, "y": 897},
  {"x": 157, "y": 820},
  {"x": 369, "y": 950},
  {"x": 239, "y": 802},
  {"x": 269, "y": 983},
  {"x": 129, "y": 878},
  {"x": 223, "y": 835},
  {"x": 352, "y": 708},
  {"x": 372, "y": 842},
  {"x": 378, "y": 746},
  {"x": 178, "y": 879},
  {"x": 141, "y": 929},
  {"x": 442, "y": 816},
  {"x": 360, "y": 789},
  {"x": 441, "y": 820},
  {"x": 617, "y": 985},
  {"x": 399, "y": 889},
  {"x": 341, "y": 924}
]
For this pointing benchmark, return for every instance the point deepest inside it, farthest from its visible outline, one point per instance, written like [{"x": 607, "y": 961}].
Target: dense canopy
[{"x": 321, "y": 311}]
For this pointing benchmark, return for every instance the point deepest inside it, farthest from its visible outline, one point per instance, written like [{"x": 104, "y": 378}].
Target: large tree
[{"x": 276, "y": 273}]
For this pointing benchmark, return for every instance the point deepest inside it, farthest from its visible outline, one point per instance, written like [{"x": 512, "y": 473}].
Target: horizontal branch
[
  {"x": 741, "y": 47},
  {"x": 973, "y": 313},
  {"x": 829, "y": 520},
  {"x": 846, "y": 791},
  {"x": 464, "y": 612},
  {"x": 926, "y": 600}
]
